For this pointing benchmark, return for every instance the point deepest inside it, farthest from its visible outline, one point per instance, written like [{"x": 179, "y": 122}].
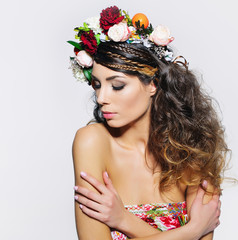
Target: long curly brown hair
[{"x": 186, "y": 136}]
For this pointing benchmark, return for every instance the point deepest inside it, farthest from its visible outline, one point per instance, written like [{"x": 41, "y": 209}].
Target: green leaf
[
  {"x": 75, "y": 44},
  {"x": 143, "y": 31},
  {"x": 82, "y": 29},
  {"x": 85, "y": 25},
  {"x": 98, "y": 38},
  {"x": 88, "y": 73},
  {"x": 127, "y": 17}
]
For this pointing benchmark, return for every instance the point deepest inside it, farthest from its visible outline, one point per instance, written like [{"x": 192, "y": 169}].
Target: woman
[{"x": 156, "y": 135}]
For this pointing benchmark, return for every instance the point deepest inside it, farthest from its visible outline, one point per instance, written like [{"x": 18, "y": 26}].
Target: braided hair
[{"x": 186, "y": 137}]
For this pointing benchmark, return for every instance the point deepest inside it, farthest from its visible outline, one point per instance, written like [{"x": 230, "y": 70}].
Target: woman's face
[{"x": 123, "y": 98}]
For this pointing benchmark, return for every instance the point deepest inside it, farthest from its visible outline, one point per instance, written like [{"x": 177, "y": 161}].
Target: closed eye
[
  {"x": 96, "y": 84},
  {"x": 117, "y": 88}
]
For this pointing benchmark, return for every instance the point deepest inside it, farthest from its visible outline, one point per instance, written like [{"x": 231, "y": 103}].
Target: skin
[
  {"x": 108, "y": 208},
  {"x": 119, "y": 149}
]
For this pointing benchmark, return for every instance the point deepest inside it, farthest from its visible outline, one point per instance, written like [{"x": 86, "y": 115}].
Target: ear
[{"x": 153, "y": 89}]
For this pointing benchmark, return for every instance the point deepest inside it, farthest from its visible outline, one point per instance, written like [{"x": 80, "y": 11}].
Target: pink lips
[{"x": 108, "y": 115}]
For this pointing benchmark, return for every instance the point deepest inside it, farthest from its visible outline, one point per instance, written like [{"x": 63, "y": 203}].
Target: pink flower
[
  {"x": 161, "y": 36},
  {"x": 84, "y": 59},
  {"x": 119, "y": 32}
]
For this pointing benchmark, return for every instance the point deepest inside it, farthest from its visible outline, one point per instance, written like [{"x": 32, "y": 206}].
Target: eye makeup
[{"x": 116, "y": 84}]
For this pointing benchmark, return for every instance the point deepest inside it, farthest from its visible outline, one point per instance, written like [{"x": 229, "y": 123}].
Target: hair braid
[
  {"x": 186, "y": 137},
  {"x": 142, "y": 68},
  {"x": 138, "y": 53}
]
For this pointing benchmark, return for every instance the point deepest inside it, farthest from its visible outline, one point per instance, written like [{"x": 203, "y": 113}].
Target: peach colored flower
[
  {"x": 84, "y": 59},
  {"x": 161, "y": 36},
  {"x": 119, "y": 32}
]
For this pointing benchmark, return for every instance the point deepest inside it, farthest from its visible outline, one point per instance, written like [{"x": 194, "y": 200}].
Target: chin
[
  {"x": 118, "y": 124},
  {"x": 114, "y": 124}
]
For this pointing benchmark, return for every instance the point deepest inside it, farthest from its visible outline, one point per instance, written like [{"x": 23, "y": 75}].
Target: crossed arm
[
  {"x": 98, "y": 206},
  {"x": 110, "y": 210}
]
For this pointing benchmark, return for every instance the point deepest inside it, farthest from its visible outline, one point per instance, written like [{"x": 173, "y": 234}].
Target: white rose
[
  {"x": 77, "y": 71},
  {"x": 161, "y": 36},
  {"x": 94, "y": 24},
  {"x": 79, "y": 75},
  {"x": 84, "y": 59},
  {"x": 119, "y": 32}
]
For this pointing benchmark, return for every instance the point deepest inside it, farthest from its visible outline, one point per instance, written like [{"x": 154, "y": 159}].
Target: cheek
[{"x": 134, "y": 100}]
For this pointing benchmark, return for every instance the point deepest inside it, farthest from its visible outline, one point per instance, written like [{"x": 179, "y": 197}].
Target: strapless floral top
[{"x": 160, "y": 216}]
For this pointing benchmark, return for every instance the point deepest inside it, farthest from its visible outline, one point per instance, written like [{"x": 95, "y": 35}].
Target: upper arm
[
  {"x": 190, "y": 196},
  {"x": 88, "y": 157}
]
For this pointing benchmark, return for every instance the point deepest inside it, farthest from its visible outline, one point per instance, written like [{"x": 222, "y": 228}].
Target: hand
[
  {"x": 105, "y": 206},
  {"x": 205, "y": 217}
]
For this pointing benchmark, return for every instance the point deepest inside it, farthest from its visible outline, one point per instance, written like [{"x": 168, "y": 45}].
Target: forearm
[
  {"x": 85, "y": 224},
  {"x": 133, "y": 226},
  {"x": 208, "y": 236},
  {"x": 205, "y": 216},
  {"x": 185, "y": 232},
  {"x": 136, "y": 228}
]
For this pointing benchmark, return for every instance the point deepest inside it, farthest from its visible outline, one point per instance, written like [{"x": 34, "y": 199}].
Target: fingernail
[
  {"x": 204, "y": 183},
  {"x": 106, "y": 174},
  {"x": 83, "y": 174},
  {"x": 81, "y": 206},
  {"x": 76, "y": 188},
  {"x": 76, "y": 197}
]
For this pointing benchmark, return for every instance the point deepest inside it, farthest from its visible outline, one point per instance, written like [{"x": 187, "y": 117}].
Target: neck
[{"x": 134, "y": 136}]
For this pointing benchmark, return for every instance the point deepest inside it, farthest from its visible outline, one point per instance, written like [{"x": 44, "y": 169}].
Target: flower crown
[{"x": 115, "y": 25}]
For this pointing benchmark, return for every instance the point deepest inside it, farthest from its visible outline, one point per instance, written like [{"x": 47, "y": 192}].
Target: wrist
[
  {"x": 193, "y": 231},
  {"x": 123, "y": 223},
  {"x": 129, "y": 222}
]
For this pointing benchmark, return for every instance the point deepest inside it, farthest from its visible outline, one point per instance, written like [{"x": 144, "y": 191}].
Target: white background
[{"x": 42, "y": 105}]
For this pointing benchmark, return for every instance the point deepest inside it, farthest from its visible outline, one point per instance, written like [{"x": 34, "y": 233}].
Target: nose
[{"x": 102, "y": 96}]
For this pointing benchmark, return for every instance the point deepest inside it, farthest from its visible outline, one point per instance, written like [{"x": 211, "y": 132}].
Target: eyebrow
[{"x": 109, "y": 78}]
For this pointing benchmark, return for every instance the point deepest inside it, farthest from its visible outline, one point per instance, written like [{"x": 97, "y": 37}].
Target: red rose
[
  {"x": 109, "y": 17},
  {"x": 89, "y": 41}
]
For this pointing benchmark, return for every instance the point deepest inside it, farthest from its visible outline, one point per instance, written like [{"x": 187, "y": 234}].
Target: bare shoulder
[
  {"x": 90, "y": 146},
  {"x": 90, "y": 150},
  {"x": 91, "y": 136}
]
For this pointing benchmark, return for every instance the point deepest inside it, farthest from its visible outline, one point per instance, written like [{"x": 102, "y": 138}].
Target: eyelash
[
  {"x": 118, "y": 88},
  {"x": 97, "y": 86}
]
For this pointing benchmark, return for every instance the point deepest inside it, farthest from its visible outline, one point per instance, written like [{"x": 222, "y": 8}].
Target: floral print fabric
[{"x": 160, "y": 216}]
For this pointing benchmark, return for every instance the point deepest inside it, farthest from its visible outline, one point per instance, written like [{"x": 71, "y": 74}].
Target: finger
[
  {"x": 89, "y": 194},
  {"x": 91, "y": 213},
  {"x": 88, "y": 203},
  {"x": 108, "y": 182},
  {"x": 200, "y": 194},
  {"x": 94, "y": 182},
  {"x": 216, "y": 197}
]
